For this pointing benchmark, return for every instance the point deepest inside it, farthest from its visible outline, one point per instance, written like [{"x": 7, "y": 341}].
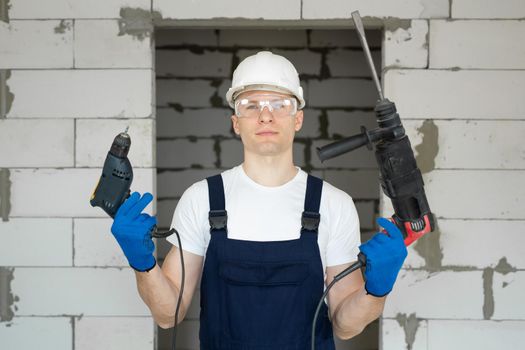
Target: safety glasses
[{"x": 279, "y": 106}]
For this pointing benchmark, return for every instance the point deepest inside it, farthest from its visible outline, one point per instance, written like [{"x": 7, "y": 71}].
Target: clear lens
[{"x": 278, "y": 106}]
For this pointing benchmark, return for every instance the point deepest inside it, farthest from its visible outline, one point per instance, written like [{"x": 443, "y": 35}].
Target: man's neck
[{"x": 269, "y": 171}]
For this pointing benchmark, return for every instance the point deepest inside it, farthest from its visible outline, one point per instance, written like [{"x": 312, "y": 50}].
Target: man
[{"x": 264, "y": 236}]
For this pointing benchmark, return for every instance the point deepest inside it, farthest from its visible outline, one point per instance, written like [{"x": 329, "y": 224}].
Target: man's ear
[
  {"x": 235, "y": 124},
  {"x": 299, "y": 120}
]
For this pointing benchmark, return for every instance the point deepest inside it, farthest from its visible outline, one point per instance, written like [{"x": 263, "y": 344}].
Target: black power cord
[
  {"x": 358, "y": 264},
  {"x": 181, "y": 291},
  {"x": 179, "y": 301}
]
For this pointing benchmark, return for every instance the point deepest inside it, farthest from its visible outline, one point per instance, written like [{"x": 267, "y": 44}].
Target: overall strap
[
  {"x": 311, "y": 217},
  {"x": 218, "y": 217}
]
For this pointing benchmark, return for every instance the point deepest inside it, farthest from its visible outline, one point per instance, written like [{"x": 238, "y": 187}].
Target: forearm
[
  {"x": 160, "y": 295},
  {"x": 355, "y": 312}
]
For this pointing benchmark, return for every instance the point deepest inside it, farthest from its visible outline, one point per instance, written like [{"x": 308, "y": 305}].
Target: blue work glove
[
  {"x": 132, "y": 228},
  {"x": 385, "y": 254}
]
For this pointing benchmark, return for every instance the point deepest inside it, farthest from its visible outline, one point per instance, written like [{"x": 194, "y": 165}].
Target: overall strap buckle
[
  {"x": 217, "y": 216},
  {"x": 312, "y": 201},
  {"x": 218, "y": 219},
  {"x": 310, "y": 220}
]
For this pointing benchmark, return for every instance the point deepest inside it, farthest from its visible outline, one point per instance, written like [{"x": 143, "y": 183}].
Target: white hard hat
[{"x": 265, "y": 71}]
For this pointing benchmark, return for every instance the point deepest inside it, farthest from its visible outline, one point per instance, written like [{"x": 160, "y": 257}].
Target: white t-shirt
[{"x": 260, "y": 213}]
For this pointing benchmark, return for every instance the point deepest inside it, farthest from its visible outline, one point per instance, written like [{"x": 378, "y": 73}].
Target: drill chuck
[{"x": 120, "y": 146}]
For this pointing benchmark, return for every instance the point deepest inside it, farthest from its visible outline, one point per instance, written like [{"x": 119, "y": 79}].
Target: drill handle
[{"x": 348, "y": 144}]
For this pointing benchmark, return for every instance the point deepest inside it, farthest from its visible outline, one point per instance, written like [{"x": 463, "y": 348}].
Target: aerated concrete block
[
  {"x": 185, "y": 92},
  {"x": 26, "y": 9},
  {"x": 445, "y": 248},
  {"x": 27, "y": 333},
  {"x": 472, "y": 194},
  {"x": 487, "y": 9},
  {"x": 467, "y": 144},
  {"x": 351, "y": 63},
  {"x": 132, "y": 333},
  {"x": 36, "y": 143},
  {"x": 476, "y": 44},
  {"x": 344, "y": 93},
  {"x": 186, "y": 63},
  {"x": 313, "y": 9},
  {"x": 107, "y": 44},
  {"x": 36, "y": 242},
  {"x": 456, "y": 94},
  {"x": 263, "y": 38},
  {"x": 36, "y": 44},
  {"x": 406, "y": 46},
  {"x": 77, "y": 291},
  {"x": 508, "y": 290},
  {"x": 482, "y": 335},
  {"x": 234, "y": 9},
  {"x": 172, "y": 184},
  {"x": 81, "y": 93},
  {"x": 200, "y": 122},
  {"x": 183, "y": 153},
  {"x": 394, "y": 335},
  {"x": 415, "y": 293}
]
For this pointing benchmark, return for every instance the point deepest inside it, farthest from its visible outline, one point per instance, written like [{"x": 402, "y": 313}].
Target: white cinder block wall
[
  {"x": 454, "y": 68},
  {"x": 72, "y": 75}
]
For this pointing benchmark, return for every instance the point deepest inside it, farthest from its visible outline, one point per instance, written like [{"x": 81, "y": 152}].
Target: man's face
[{"x": 266, "y": 133}]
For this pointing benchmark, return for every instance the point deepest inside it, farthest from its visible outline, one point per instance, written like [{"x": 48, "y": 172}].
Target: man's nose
[{"x": 266, "y": 116}]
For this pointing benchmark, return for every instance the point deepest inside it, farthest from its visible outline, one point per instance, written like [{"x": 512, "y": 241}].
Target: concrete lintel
[{"x": 220, "y": 23}]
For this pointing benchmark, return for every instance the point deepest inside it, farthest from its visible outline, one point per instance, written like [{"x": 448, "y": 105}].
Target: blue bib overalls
[{"x": 263, "y": 295}]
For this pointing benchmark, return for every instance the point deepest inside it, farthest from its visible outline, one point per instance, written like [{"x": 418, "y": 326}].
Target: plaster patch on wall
[
  {"x": 6, "y": 96},
  {"x": 429, "y": 248},
  {"x": 5, "y": 194},
  {"x": 410, "y": 325},
  {"x": 428, "y": 149},
  {"x": 63, "y": 26},
  {"x": 488, "y": 293},
  {"x": 7, "y": 299},
  {"x": 4, "y": 10},
  {"x": 137, "y": 22},
  {"x": 504, "y": 267},
  {"x": 217, "y": 150}
]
